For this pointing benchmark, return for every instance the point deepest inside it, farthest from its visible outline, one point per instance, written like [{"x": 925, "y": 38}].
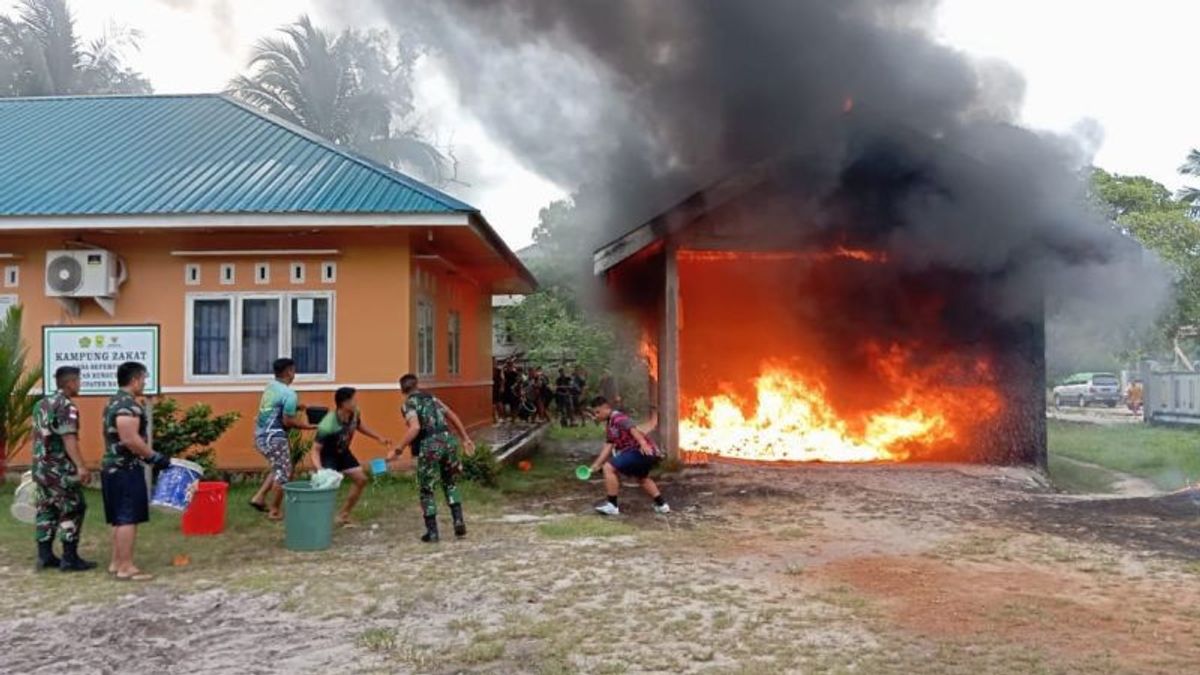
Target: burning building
[
  {"x": 780, "y": 328},
  {"x": 864, "y": 272}
]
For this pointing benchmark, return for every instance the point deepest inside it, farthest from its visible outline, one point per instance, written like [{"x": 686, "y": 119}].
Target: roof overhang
[
  {"x": 524, "y": 282},
  {"x": 677, "y": 218},
  {"x": 231, "y": 221},
  {"x": 520, "y": 281}
]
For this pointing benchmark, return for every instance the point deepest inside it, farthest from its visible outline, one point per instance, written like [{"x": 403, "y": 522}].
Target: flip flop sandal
[
  {"x": 275, "y": 519},
  {"x": 140, "y": 576},
  {"x": 261, "y": 508}
]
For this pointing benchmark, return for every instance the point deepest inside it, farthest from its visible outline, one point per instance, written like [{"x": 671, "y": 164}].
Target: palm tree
[
  {"x": 345, "y": 88},
  {"x": 1191, "y": 168},
  {"x": 16, "y": 386},
  {"x": 40, "y": 55}
]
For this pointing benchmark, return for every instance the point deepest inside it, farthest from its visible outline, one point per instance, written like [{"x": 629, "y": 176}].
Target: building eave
[{"x": 227, "y": 221}]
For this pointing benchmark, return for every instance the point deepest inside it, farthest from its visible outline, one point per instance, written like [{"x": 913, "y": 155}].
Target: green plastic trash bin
[{"x": 308, "y": 516}]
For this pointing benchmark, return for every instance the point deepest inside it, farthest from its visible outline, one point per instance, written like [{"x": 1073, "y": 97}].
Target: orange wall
[{"x": 373, "y": 334}]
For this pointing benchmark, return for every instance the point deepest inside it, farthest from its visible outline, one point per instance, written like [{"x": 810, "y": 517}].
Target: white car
[{"x": 1083, "y": 389}]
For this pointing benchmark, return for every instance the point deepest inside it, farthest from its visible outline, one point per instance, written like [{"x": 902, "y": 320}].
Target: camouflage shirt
[
  {"x": 429, "y": 414},
  {"x": 54, "y": 417},
  {"x": 121, "y": 404}
]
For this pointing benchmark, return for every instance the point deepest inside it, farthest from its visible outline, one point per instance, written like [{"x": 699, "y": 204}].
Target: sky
[{"x": 1120, "y": 64}]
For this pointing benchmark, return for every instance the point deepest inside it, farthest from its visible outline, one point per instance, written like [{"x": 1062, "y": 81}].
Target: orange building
[{"x": 210, "y": 239}]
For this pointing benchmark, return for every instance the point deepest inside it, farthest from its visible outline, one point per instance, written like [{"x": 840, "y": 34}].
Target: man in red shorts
[{"x": 627, "y": 452}]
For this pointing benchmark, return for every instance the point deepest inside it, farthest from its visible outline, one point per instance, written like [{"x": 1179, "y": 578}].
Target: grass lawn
[
  {"x": 587, "y": 432},
  {"x": 1170, "y": 458},
  {"x": 250, "y": 537},
  {"x": 1071, "y": 476}
]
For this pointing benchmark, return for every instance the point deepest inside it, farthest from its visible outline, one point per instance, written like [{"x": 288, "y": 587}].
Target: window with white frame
[
  {"x": 6, "y": 303},
  {"x": 261, "y": 337},
  {"x": 12, "y": 276},
  {"x": 262, "y": 273},
  {"x": 298, "y": 273},
  {"x": 424, "y": 336},
  {"x": 454, "y": 344},
  {"x": 228, "y": 274},
  {"x": 328, "y": 272},
  {"x": 212, "y": 334},
  {"x": 191, "y": 275},
  {"x": 309, "y": 334},
  {"x": 239, "y": 335}
]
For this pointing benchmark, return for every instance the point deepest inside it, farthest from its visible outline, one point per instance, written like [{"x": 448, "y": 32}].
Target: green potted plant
[{"x": 17, "y": 382}]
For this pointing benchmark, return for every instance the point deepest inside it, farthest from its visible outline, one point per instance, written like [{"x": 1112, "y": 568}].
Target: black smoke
[{"x": 884, "y": 133}]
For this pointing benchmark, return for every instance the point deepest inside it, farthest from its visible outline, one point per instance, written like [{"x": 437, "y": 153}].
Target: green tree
[
  {"x": 41, "y": 55},
  {"x": 353, "y": 88},
  {"x": 1191, "y": 167},
  {"x": 562, "y": 322},
  {"x": 189, "y": 434},
  {"x": 1148, "y": 212},
  {"x": 17, "y": 381}
]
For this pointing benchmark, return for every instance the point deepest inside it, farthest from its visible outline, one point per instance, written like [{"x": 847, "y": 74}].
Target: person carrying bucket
[
  {"x": 436, "y": 452},
  {"x": 331, "y": 448},
  {"x": 278, "y": 411},
  {"x": 122, "y": 479},
  {"x": 627, "y": 451},
  {"x": 60, "y": 475}
]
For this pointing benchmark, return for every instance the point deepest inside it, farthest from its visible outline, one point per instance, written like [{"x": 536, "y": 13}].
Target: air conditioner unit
[{"x": 85, "y": 273}]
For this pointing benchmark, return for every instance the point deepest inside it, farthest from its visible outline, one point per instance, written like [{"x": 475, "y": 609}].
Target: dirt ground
[{"x": 913, "y": 569}]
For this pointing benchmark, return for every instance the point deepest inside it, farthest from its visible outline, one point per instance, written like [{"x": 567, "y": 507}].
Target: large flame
[
  {"x": 649, "y": 354},
  {"x": 792, "y": 420}
]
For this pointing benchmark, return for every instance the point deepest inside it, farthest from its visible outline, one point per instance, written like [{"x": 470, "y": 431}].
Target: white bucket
[
  {"x": 176, "y": 485},
  {"x": 24, "y": 506}
]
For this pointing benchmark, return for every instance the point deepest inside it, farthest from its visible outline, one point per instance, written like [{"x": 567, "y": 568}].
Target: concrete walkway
[{"x": 509, "y": 441}]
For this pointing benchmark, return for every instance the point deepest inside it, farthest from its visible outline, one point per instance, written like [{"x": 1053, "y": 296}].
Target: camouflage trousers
[
  {"x": 437, "y": 461},
  {"x": 60, "y": 504}
]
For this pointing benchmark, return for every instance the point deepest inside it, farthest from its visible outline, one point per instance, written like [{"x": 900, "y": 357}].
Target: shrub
[
  {"x": 298, "y": 447},
  {"x": 189, "y": 434},
  {"x": 17, "y": 380},
  {"x": 482, "y": 467}
]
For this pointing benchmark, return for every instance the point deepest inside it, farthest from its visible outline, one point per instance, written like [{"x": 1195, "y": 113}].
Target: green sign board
[{"x": 97, "y": 351}]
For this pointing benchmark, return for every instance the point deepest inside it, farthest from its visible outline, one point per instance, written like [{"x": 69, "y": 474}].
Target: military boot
[
  {"x": 71, "y": 562},
  {"x": 46, "y": 558},
  {"x": 460, "y": 525},
  {"x": 431, "y": 531}
]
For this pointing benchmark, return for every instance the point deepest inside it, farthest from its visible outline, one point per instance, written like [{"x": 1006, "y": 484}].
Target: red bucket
[{"x": 206, "y": 513}]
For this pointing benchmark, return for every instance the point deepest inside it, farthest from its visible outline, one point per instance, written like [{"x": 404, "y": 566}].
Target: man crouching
[{"x": 627, "y": 451}]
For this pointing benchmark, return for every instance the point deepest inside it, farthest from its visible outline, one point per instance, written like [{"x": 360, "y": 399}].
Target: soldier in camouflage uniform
[
  {"x": 59, "y": 472},
  {"x": 436, "y": 451}
]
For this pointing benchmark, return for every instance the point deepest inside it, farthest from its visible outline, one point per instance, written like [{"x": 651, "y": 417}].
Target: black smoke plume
[{"x": 907, "y": 144}]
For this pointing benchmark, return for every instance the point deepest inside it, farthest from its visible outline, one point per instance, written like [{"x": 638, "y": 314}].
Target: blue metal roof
[{"x": 196, "y": 154}]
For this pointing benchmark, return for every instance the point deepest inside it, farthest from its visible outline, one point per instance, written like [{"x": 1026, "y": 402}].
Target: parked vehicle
[{"x": 1084, "y": 389}]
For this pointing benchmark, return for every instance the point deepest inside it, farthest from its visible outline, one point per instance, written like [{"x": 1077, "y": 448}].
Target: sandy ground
[{"x": 930, "y": 569}]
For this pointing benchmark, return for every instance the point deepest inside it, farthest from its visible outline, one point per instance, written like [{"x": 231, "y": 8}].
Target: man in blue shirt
[{"x": 278, "y": 411}]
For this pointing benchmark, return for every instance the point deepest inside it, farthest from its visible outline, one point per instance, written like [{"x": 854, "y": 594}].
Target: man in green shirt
[
  {"x": 331, "y": 448},
  {"x": 60, "y": 474},
  {"x": 278, "y": 412},
  {"x": 436, "y": 451},
  {"x": 122, "y": 478}
]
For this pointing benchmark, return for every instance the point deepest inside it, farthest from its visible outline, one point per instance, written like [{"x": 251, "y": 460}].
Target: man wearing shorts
[
  {"x": 627, "y": 452},
  {"x": 436, "y": 451},
  {"x": 277, "y": 412},
  {"x": 331, "y": 449},
  {"x": 122, "y": 478}
]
